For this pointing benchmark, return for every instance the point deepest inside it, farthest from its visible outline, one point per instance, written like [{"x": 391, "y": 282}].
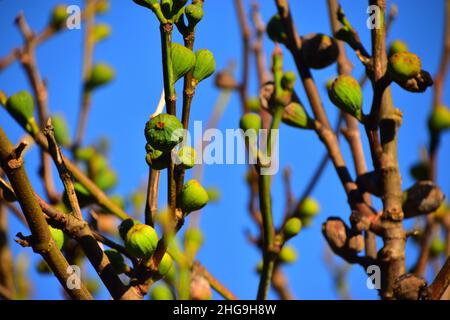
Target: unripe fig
[
  {"x": 404, "y": 66},
  {"x": 205, "y": 65},
  {"x": 288, "y": 80},
  {"x": 194, "y": 13},
  {"x": 156, "y": 159},
  {"x": 294, "y": 114},
  {"x": 193, "y": 240},
  {"x": 161, "y": 292},
  {"x": 85, "y": 154},
  {"x": 275, "y": 29},
  {"x": 250, "y": 121},
  {"x": 396, "y": 47},
  {"x": 59, "y": 16},
  {"x": 165, "y": 265},
  {"x": 437, "y": 247},
  {"x": 253, "y": 104},
  {"x": 102, "y": 6},
  {"x": 288, "y": 254},
  {"x": 193, "y": 197},
  {"x": 58, "y": 236},
  {"x": 62, "y": 134},
  {"x": 106, "y": 179},
  {"x": 141, "y": 241},
  {"x": 83, "y": 195},
  {"x": 319, "y": 50},
  {"x": 183, "y": 60},
  {"x": 292, "y": 227},
  {"x": 97, "y": 163},
  {"x": 439, "y": 119},
  {"x": 125, "y": 226},
  {"x": 101, "y": 74},
  {"x": 307, "y": 210},
  {"x": 346, "y": 94},
  {"x": 21, "y": 107},
  {"x": 187, "y": 156},
  {"x": 117, "y": 261},
  {"x": 213, "y": 194},
  {"x": 164, "y": 132},
  {"x": 101, "y": 31}
]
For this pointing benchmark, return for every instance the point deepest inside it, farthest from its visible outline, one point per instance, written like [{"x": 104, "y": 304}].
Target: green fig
[
  {"x": 404, "y": 66},
  {"x": 250, "y": 121},
  {"x": 437, "y": 247},
  {"x": 346, "y": 94},
  {"x": 288, "y": 254},
  {"x": 117, "y": 261},
  {"x": 319, "y": 50},
  {"x": 125, "y": 226},
  {"x": 100, "y": 75},
  {"x": 101, "y": 32},
  {"x": 183, "y": 60},
  {"x": 192, "y": 197},
  {"x": 106, "y": 179},
  {"x": 307, "y": 210},
  {"x": 213, "y": 194},
  {"x": 288, "y": 80},
  {"x": 58, "y": 236},
  {"x": 294, "y": 115},
  {"x": 58, "y": 16},
  {"x": 187, "y": 156},
  {"x": 164, "y": 132},
  {"x": 193, "y": 240},
  {"x": 141, "y": 241},
  {"x": 161, "y": 292},
  {"x": 396, "y": 47},
  {"x": 102, "y": 6},
  {"x": 83, "y": 195},
  {"x": 21, "y": 107},
  {"x": 292, "y": 227},
  {"x": 62, "y": 134},
  {"x": 253, "y": 104},
  {"x": 194, "y": 13},
  {"x": 275, "y": 29},
  {"x": 165, "y": 265},
  {"x": 439, "y": 119},
  {"x": 205, "y": 65},
  {"x": 85, "y": 154},
  {"x": 156, "y": 159}
]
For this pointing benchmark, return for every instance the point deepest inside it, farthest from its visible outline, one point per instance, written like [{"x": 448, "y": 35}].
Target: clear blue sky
[{"x": 120, "y": 112}]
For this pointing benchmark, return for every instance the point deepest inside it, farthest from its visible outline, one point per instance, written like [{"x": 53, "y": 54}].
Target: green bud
[
  {"x": 346, "y": 94},
  {"x": 58, "y": 236},
  {"x": 161, "y": 292},
  {"x": 213, "y": 194},
  {"x": 183, "y": 60},
  {"x": 205, "y": 65},
  {"x": 61, "y": 129},
  {"x": 319, "y": 50},
  {"x": 420, "y": 171},
  {"x": 21, "y": 107},
  {"x": 275, "y": 29},
  {"x": 396, "y": 47},
  {"x": 292, "y": 227},
  {"x": 253, "y": 104},
  {"x": 288, "y": 254},
  {"x": 164, "y": 132},
  {"x": 307, "y": 210},
  {"x": 126, "y": 225},
  {"x": 165, "y": 265},
  {"x": 194, "y": 13},
  {"x": 106, "y": 179},
  {"x": 59, "y": 16},
  {"x": 141, "y": 241},
  {"x": 288, "y": 80},
  {"x": 101, "y": 32},
  {"x": 404, "y": 66},
  {"x": 102, "y": 6},
  {"x": 439, "y": 119},
  {"x": 193, "y": 197},
  {"x": 117, "y": 261},
  {"x": 294, "y": 115},
  {"x": 187, "y": 156},
  {"x": 101, "y": 74},
  {"x": 437, "y": 247},
  {"x": 156, "y": 159},
  {"x": 193, "y": 240},
  {"x": 250, "y": 121}
]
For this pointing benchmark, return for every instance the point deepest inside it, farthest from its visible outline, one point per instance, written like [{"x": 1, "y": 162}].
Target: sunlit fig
[
  {"x": 439, "y": 119},
  {"x": 250, "y": 121},
  {"x": 194, "y": 13},
  {"x": 62, "y": 134},
  {"x": 187, "y": 156},
  {"x": 161, "y": 292},
  {"x": 141, "y": 241},
  {"x": 58, "y": 16},
  {"x": 58, "y": 236},
  {"x": 100, "y": 75},
  {"x": 205, "y": 65},
  {"x": 294, "y": 114},
  {"x": 292, "y": 227},
  {"x": 345, "y": 92},
  {"x": 288, "y": 254},
  {"x": 101, "y": 32},
  {"x": 193, "y": 197},
  {"x": 404, "y": 66},
  {"x": 126, "y": 225},
  {"x": 164, "y": 132},
  {"x": 396, "y": 47},
  {"x": 183, "y": 60}
]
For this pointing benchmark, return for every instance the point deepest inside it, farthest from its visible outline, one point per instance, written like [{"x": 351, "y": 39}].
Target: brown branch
[
  {"x": 151, "y": 204},
  {"x": 215, "y": 284},
  {"x": 43, "y": 243},
  {"x": 6, "y": 265},
  {"x": 440, "y": 283},
  {"x": 245, "y": 33}
]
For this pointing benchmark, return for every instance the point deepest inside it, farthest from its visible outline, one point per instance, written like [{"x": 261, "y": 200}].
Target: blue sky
[{"x": 121, "y": 109}]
